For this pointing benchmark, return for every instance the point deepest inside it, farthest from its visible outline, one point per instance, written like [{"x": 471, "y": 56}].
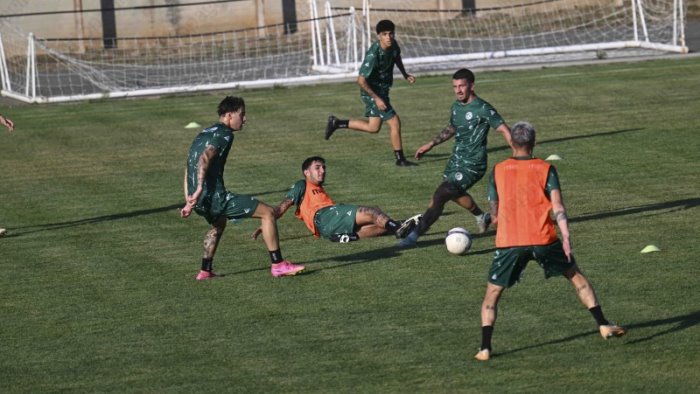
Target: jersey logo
[
  {"x": 459, "y": 176},
  {"x": 469, "y": 115}
]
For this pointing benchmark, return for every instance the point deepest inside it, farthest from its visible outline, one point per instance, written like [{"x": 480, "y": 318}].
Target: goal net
[
  {"x": 328, "y": 42},
  {"x": 533, "y": 32}
]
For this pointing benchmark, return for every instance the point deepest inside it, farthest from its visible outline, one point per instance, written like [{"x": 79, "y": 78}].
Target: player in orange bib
[
  {"x": 522, "y": 192},
  {"x": 336, "y": 222}
]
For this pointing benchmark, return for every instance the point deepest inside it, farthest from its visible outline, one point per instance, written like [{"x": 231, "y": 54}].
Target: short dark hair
[
  {"x": 522, "y": 135},
  {"x": 307, "y": 163},
  {"x": 464, "y": 73},
  {"x": 230, "y": 104},
  {"x": 385, "y": 25}
]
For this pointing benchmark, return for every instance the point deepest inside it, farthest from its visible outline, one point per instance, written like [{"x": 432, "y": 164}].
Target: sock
[
  {"x": 597, "y": 313},
  {"x": 391, "y": 226},
  {"x": 342, "y": 124},
  {"x": 399, "y": 155},
  {"x": 276, "y": 256},
  {"x": 206, "y": 264},
  {"x": 486, "y": 332},
  {"x": 344, "y": 238}
]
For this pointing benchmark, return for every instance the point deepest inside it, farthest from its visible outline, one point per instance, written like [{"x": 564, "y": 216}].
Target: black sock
[
  {"x": 276, "y": 256},
  {"x": 486, "y": 332},
  {"x": 344, "y": 238},
  {"x": 342, "y": 124},
  {"x": 206, "y": 264},
  {"x": 391, "y": 226},
  {"x": 597, "y": 313},
  {"x": 399, "y": 155}
]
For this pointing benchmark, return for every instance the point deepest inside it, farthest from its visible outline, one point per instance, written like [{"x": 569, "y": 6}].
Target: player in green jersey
[
  {"x": 470, "y": 120},
  {"x": 375, "y": 80},
  {"x": 206, "y": 194},
  {"x": 10, "y": 126}
]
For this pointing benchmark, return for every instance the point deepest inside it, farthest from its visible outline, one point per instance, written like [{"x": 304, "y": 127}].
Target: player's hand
[
  {"x": 380, "y": 103},
  {"x": 186, "y": 211},
  {"x": 7, "y": 123},
  {"x": 256, "y": 233},
  {"x": 423, "y": 150},
  {"x": 566, "y": 244},
  {"x": 411, "y": 79}
]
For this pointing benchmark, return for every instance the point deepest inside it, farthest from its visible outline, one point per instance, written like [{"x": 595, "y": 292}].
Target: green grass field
[{"x": 97, "y": 291}]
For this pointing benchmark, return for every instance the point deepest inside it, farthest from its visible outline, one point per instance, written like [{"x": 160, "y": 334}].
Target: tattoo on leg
[
  {"x": 490, "y": 307},
  {"x": 211, "y": 240},
  {"x": 580, "y": 289}
]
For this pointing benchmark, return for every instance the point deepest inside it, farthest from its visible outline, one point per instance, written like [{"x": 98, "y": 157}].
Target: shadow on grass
[
  {"x": 395, "y": 251},
  {"x": 678, "y": 323},
  {"x": 440, "y": 156},
  {"x": 97, "y": 219}
]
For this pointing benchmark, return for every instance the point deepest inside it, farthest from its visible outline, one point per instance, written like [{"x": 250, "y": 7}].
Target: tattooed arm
[
  {"x": 562, "y": 221},
  {"x": 444, "y": 135},
  {"x": 202, "y": 168}
]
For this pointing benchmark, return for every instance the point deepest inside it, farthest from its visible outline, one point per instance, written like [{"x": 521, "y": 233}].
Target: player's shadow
[
  {"x": 93, "y": 220},
  {"x": 573, "y": 137},
  {"x": 675, "y": 323},
  {"x": 22, "y": 230},
  {"x": 430, "y": 157}
]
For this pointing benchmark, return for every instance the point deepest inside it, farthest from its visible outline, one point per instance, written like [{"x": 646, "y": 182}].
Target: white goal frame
[{"x": 335, "y": 44}]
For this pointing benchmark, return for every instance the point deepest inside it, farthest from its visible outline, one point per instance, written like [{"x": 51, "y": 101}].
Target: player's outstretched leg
[{"x": 268, "y": 223}]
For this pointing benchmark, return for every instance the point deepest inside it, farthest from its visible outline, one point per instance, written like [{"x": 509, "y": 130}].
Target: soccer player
[
  {"x": 206, "y": 194},
  {"x": 470, "y": 121},
  {"x": 10, "y": 126},
  {"x": 375, "y": 80},
  {"x": 336, "y": 222},
  {"x": 522, "y": 192}
]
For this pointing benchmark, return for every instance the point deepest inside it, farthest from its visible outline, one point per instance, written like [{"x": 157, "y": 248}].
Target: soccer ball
[{"x": 458, "y": 241}]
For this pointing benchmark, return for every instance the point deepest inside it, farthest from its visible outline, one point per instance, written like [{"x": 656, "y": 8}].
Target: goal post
[{"x": 329, "y": 42}]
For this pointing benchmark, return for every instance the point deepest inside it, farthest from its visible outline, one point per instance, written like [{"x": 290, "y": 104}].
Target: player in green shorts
[
  {"x": 470, "y": 121},
  {"x": 375, "y": 80},
  {"x": 336, "y": 222},
  {"x": 523, "y": 190},
  {"x": 206, "y": 194}
]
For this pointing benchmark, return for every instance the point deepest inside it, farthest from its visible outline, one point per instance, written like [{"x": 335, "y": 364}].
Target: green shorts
[
  {"x": 509, "y": 263},
  {"x": 336, "y": 219},
  {"x": 372, "y": 111},
  {"x": 230, "y": 205},
  {"x": 462, "y": 181}
]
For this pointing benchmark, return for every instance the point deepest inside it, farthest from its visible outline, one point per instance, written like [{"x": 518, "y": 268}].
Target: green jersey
[
  {"x": 472, "y": 122},
  {"x": 220, "y": 137},
  {"x": 378, "y": 68}
]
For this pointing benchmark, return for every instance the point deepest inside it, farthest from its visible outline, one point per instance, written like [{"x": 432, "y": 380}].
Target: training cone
[
  {"x": 553, "y": 157},
  {"x": 650, "y": 248},
  {"x": 193, "y": 125}
]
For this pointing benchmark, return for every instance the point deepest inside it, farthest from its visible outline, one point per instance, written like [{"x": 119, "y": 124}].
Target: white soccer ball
[{"x": 458, "y": 241}]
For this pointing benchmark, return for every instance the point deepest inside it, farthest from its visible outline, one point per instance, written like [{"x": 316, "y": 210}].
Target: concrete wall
[
  {"x": 197, "y": 19},
  {"x": 141, "y": 23}
]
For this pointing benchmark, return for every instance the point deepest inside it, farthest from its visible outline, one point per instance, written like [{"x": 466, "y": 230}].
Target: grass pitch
[{"x": 97, "y": 291}]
